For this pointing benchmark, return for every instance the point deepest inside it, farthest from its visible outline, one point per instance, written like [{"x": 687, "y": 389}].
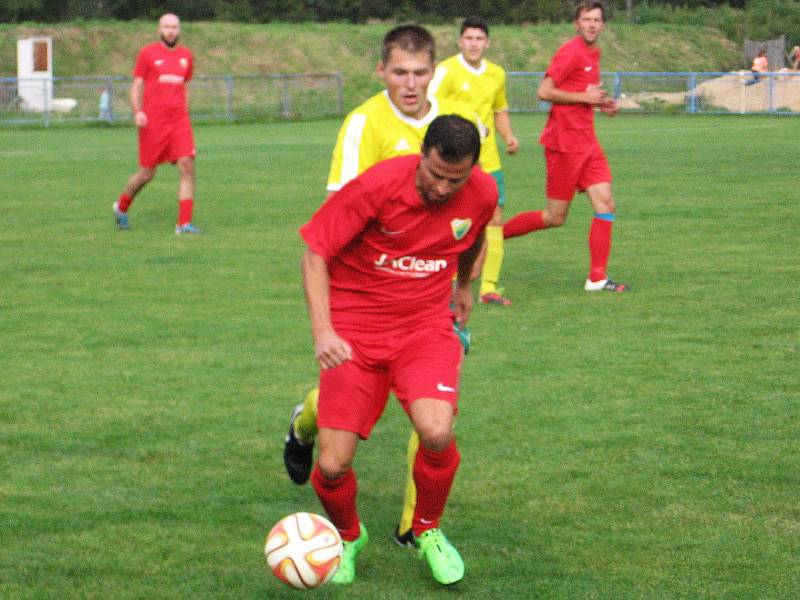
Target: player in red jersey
[
  {"x": 160, "y": 111},
  {"x": 574, "y": 158},
  {"x": 378, "y": 269}
]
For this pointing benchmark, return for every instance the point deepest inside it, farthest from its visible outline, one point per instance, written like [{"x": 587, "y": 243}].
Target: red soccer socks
[
  {"x": 600, "y": 245},
  {"x": 185, "y": 207},
  {"x": 338, "y": 497},
  {"x": 523, "y": 223},
  {"x": 124, "y": 203},
  {"x": 434, "y": 473}
]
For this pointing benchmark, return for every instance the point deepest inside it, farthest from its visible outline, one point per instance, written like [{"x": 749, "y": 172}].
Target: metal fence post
[
  {"x": 692, "y": 83},
  {"x": 617, "y": 85},
  {"x": 46, "y": 102},
  {"x": 110, "y": 99},
  {"x": 340, "y": 92},
  {"x": 286, "y": 102},
  {"x": 771, "y": 93},
  {"x": 229, "y": 97}
]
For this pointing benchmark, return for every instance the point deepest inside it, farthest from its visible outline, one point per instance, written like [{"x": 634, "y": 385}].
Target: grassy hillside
[{"x": 102, "y": 48}]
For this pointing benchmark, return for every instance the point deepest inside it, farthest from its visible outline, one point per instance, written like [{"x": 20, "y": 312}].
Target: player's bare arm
[
  {"x": 502, "y": 123},
  {"x": 135, "y": 95},
  {"x": 462, "y": 296},
  {"x": 550, "y": 92},
  {"x": 330, "y": 349}
]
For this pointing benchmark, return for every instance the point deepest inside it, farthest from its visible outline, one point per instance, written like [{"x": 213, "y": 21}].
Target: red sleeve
[
  {"x": 140, "y": 70},
  {"x": 191, "y": 67},
  {"x": 562, "y": 64},
  {"x": 340, "y": 219},
  {"x": 493, "y": 193}
]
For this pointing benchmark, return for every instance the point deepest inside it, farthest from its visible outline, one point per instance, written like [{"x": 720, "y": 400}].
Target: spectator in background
[
  {"x": 794, "y": 57},
  {"x": 760, "y": 65}
]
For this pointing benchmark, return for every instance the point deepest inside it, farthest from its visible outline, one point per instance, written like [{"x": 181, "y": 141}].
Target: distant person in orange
[{"x": 760, "y": 65}]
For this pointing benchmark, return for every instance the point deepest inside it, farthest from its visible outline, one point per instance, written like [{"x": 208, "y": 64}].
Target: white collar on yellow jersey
[
  {"x": 479, "y": 71},
  {"x": 418, "y": 123}
]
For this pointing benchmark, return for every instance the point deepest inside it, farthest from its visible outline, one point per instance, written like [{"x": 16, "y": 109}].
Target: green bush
[{"x": 760, "y": 20}]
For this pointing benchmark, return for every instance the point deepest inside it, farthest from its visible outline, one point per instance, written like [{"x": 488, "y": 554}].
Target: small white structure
[{"x": 35, "y": 76}]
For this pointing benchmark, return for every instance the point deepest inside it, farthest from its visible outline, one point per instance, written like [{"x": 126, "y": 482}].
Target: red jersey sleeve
[
  {"x": 562, "y": 64},
  {"x": 142, "y": 64},
  {"x": 190, "y": 70},
  {"x": 339, "y": 220}
]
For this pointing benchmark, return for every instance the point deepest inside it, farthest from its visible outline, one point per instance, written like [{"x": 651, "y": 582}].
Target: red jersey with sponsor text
[
  {"x": 165, "y": 72},
  {"x": 570, "y": 127},
  {"x": 391, "y": 257}
]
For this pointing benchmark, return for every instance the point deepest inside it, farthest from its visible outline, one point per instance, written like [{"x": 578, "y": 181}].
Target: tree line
[{"x": 356, "y": 11}]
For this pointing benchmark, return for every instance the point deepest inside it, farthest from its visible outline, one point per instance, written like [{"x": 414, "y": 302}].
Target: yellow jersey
[
  {"x": 377, "y": 130},
  {"x": 484, "y": 89}
]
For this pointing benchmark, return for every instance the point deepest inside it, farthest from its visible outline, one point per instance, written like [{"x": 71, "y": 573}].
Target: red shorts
[
  {"x": 568, "y": 172},
  {"x": 164, "y": 141},
  {"x": 424, "y": 363}
]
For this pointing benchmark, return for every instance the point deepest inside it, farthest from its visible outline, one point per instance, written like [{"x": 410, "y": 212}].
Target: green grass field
[{"x": 614, "y": 446}]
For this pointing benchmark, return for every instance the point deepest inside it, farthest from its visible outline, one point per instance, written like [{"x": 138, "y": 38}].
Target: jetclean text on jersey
[{"x": 410, "y": 266}]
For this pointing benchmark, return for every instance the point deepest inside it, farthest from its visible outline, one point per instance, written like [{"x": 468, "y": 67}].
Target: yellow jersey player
[
  {"x": 389, "y": 124},
  {"x": 470, "y": 78}
]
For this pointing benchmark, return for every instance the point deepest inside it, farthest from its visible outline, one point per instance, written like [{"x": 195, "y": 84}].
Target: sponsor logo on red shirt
[{"x": 410, "y": 266}]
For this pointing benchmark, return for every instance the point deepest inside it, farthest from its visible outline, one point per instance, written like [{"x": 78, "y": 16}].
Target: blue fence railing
[
  {"x": 739, "y": 92},
  {"x": 213, "y": 97},
  {"x": 302, "y": 96}
]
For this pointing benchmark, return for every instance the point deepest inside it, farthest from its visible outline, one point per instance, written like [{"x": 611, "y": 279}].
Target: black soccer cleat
[
  {"x": 297, "y": 457},
  {"x": 406, "y": 540}
]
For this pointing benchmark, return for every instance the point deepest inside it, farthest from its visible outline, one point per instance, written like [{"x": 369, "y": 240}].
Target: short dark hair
[
  {"x": 475, "y": 23},
  {"x": 411, "y": 38},
  {"x": 587, "y": 5},
  {"x": 454, "y": 138}
]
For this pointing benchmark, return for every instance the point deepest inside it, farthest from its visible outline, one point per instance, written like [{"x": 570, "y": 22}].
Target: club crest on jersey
[
  {"x": 460, "y": 227},
  {"x": 184, "y": 63}
]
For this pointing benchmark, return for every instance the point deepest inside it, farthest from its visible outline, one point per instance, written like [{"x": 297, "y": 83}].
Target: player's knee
[
  {"x": 554, "y": 219},
  {"x": 186, "y": 167},
  {"x": 609, "y": 206},
  {"x": 435, "y": 436},
  {"x": 602, "y": 200},
  {"x": 147, "y": 174},
  {"x": 331, "y": 466}
]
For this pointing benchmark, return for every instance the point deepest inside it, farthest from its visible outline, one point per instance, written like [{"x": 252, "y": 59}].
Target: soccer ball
[{"x": 304, "y": 550}]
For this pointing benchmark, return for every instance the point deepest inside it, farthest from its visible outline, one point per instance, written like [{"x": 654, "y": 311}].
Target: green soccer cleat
[
  {"x": 444, "y": 560},
  {"x": 464, "y": 336},
  {"x": 346, "y": 573}
]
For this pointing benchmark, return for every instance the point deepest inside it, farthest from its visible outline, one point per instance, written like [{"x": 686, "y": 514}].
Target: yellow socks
[
  {"x": 490, "y": 274},
  {"x": 305, "y": 425},
  {"x": 410, "y": 500}
]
